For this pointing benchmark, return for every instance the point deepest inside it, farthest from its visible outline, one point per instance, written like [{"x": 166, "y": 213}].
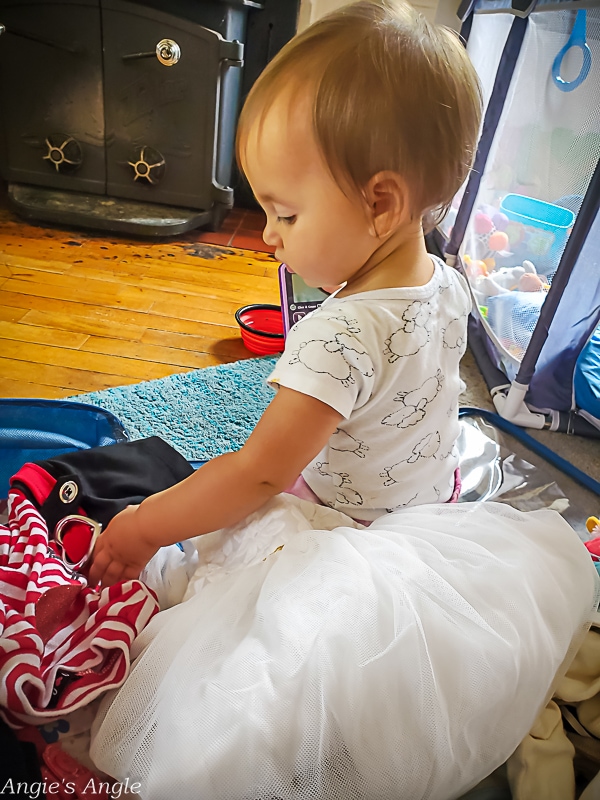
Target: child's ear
[{"x": 387, "y": 200}]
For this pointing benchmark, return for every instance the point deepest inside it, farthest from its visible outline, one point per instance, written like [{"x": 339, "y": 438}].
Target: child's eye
[{"x": 289, "y": 220}]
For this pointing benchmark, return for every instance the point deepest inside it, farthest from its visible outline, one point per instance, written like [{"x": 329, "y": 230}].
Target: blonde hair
[{"x": 390, "y": 92}]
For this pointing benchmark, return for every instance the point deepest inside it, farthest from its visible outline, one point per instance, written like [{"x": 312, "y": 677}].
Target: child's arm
[{"x": 291, "y": 432}]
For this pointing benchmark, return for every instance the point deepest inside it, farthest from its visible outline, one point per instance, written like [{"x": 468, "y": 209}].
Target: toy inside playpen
[{"x": 525, "y": 227}]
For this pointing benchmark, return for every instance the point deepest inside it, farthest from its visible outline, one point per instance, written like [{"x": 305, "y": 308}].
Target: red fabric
[
  {"x": 39, "y": 482},
  {"x": 594, "y": 546},
  {"x": 76, "y": 541},
  {"x": 61, "y": 642},
  {"x": 73, "y": 780}
]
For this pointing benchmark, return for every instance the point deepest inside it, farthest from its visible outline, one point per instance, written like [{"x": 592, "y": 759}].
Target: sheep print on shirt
[{"x": 388, "y": 362}]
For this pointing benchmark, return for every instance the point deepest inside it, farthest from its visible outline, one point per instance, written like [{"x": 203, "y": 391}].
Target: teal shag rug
[{"x": 202, "y": 413}]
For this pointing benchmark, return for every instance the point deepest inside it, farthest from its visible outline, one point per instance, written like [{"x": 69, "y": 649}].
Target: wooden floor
[{"x": 81, "y": 311}]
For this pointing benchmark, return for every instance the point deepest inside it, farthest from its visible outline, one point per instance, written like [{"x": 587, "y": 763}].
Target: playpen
[{"x": 525, "y": 227}]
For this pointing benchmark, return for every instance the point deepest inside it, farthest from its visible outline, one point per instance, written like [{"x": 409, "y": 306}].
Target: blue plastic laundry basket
[{"x": 33, "y": 430}]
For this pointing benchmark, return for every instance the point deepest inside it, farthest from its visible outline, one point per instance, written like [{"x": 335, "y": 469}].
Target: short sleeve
[{"x": 325, "y": 360}]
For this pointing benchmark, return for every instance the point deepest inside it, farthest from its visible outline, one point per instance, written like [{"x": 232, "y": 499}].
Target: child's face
[{"x": 318, "y": 231}]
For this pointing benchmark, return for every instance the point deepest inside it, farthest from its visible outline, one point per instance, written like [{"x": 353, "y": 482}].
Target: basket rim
[{"x": 256, "y": 331}]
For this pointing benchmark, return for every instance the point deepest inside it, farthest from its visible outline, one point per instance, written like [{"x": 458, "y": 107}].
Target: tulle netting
[{"x": 313, "y": 659}]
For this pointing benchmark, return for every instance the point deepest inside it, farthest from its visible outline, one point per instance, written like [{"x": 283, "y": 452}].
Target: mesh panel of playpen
[
  {"x": 488, "y": 37},
  {"x": 544, "y": 152}
]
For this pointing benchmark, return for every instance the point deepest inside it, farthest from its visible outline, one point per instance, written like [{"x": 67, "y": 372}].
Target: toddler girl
[{"x": 357, "y": 134}]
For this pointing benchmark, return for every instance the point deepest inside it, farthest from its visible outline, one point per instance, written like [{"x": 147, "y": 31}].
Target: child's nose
[{"x": 270, "y": 235}]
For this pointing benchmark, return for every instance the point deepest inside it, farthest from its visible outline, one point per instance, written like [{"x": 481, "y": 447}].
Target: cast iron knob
[
  {"x": 149, "y": 166},
  {"x": 64, "y": 152}
]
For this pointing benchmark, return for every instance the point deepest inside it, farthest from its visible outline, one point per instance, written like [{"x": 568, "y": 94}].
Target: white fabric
[
  {"x": 169, "y": 572},
  {"x": 405, "y": 660},
  {"x": 387, "y": 360}
]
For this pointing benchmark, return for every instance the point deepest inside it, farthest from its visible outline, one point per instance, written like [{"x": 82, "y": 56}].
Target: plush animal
[
  {"x": 509, "y": 279},
  {"x": 490, "y": 235}
]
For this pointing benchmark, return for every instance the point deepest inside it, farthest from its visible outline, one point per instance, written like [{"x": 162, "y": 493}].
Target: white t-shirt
[{"x": 387, "y": 360}]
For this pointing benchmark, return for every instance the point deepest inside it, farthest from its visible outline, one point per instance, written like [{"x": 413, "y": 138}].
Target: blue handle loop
[{"x": 576, "y": 39}]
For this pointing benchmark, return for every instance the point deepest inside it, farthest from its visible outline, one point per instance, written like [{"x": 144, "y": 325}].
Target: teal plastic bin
[{"x": 537, "y": 231}]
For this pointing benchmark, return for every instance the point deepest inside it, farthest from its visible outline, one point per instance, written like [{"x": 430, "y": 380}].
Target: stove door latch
[{"x": 167, "y": 51}]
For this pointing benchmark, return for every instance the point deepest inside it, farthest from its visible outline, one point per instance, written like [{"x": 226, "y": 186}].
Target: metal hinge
[{"x": 232, "y": 52}]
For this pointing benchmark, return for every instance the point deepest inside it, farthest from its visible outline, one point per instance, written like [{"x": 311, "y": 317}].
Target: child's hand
[
  {"x": 222, "y": 492},
  {"x": 122, "y": 551}
]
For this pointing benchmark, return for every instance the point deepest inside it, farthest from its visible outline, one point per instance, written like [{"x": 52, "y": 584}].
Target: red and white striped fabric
[{"x": 61, "y": 642}]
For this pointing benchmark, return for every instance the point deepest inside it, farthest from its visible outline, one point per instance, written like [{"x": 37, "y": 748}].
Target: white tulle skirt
[{"x": 314, "y": 659}]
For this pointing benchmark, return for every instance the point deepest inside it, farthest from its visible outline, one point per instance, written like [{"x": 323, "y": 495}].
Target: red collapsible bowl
[{"x": 261, "y": 327}]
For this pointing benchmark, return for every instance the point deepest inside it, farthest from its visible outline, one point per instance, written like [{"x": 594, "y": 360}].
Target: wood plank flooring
[{"x": 83, "y": 311}]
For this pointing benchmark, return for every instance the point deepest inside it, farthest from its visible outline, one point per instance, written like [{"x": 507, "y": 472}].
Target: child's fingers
[
  {"x": 100, "y": 562},
  {"x": 106, "y": 572},
  {"x": 113, "y": 574},
  {"x": 105, "y": 569}
]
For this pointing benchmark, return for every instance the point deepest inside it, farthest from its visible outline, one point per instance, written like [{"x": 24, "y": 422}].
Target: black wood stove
[{"x": 121, "y": 115}]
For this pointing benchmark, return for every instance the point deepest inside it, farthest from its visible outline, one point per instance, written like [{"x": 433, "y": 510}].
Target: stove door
[
  {"x": 162, "y": 86},
  {"x": 51, "y": 108}
]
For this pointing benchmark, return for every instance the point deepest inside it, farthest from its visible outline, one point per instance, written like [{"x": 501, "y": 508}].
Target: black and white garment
[{"x": 387, "y": 360}]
